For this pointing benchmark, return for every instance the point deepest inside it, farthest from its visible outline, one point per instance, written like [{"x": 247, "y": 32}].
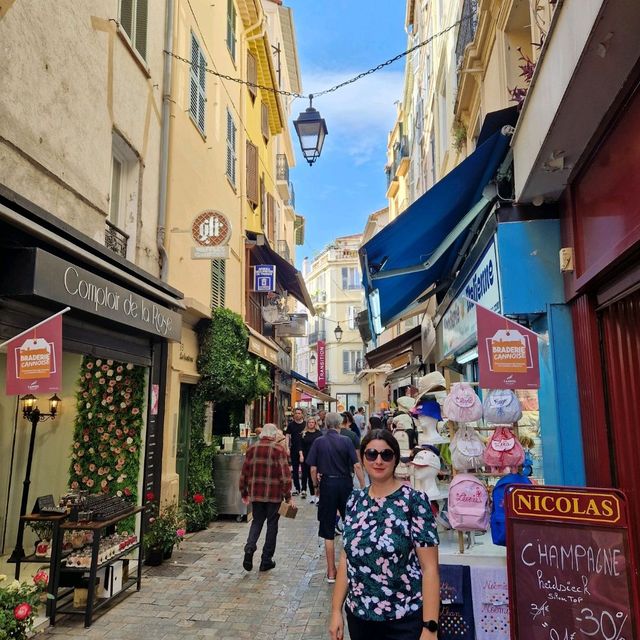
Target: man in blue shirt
[{"x": 332, "y": 459}]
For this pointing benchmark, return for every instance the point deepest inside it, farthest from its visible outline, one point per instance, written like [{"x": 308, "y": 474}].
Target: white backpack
[{"x": 466, "y": 449}]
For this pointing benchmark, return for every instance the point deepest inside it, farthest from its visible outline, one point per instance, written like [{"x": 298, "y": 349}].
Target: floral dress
[{"x": 380, "y": 536}]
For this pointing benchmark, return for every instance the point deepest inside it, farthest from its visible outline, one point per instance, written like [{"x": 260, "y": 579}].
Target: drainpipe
[{"x": 164, "y": 142}]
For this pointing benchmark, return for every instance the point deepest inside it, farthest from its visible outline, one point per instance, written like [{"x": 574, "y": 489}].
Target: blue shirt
[{"x": 332, "y": 455}]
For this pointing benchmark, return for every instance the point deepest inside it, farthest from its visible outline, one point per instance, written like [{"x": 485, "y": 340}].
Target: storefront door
[{"x": 184, "y": 436}]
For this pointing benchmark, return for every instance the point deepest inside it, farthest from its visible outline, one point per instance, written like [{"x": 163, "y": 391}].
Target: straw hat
[
  {"x": 406, "y": 403},
  {"x": 433, "y": 381}
]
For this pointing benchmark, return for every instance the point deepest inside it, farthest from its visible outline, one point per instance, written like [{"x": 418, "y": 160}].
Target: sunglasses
[{"x": 372, "y": 455}]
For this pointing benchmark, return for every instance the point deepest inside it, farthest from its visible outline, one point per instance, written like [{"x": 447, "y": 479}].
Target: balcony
[
  {"x": 401, "y": 156},
  {"x": 315, "y": 336},
  {"x": 467, "y": 31},
  {"x": 115, "y": 239},
  {"x": 292, "y": 197},
  {"x": 283, "y": 251},
  {"x": 282, "y": 177},
  {"x": 319, "y": 297}
]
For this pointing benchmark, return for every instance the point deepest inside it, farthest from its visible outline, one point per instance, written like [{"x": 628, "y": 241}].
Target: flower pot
[
  {"x": 167, "y": 554},
  {"x": 154, "y": 557}
]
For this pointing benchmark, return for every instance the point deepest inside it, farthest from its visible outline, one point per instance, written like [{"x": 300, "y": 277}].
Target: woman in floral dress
[{"x": 388, "y": 573}]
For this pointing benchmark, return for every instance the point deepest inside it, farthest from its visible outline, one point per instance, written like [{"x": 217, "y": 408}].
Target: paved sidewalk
[{"x": 203, "y": 591}]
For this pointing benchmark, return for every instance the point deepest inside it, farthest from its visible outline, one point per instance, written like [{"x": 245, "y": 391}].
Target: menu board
[{"x": 570, "y": 566}]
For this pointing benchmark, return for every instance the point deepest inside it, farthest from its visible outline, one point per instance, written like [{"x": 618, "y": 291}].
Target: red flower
[
  {"x": 41, "y": 579},
  {"x": 149, "y": 496},
  {"x": 198, "y": 498},
  {"x": 22, "y": 611}
]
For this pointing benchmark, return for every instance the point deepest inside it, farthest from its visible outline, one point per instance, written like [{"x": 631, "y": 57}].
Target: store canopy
[
  {"x": 287, "y": 275},
  {"x": 301, "y": 378},
  {"x": 314, "y": 392},
  {"x": 419, "y": 250},
  {"x": 393, "y": 348}
]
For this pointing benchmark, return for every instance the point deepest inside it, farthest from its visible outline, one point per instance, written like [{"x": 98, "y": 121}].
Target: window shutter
[
  {"x": 218, "y": 282},
  {"x": 252, "y": 174},
  {"x": 252, "y": 74},
  {"x": 272, "y": 217},
  {"x": 345, "y": 361},
  {"x": 193, "y": 78},
  {"x": 231, "y": 29},
  {"x": 141, "y": 27},
  {"x": 265, "y": 121},
  {"x": 263, "y": 205},
  {"x": 201, "y": 91},
  {"x": 345, "y": 278},
  {"x": 126, "y": 17},
  {"x": 231, "y": 148}
]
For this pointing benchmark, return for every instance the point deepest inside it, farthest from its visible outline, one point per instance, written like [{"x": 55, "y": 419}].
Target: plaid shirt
[{"x": 266, "y": 474}]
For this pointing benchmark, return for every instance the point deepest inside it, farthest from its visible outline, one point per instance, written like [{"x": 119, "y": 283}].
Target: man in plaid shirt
[{"x": 265, "y": 481}]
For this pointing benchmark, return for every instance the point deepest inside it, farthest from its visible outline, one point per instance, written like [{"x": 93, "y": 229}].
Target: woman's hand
[{"x": 336, "y": 626}]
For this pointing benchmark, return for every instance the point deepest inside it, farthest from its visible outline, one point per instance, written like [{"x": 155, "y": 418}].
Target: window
[
  {"x": 231, "y": 29},
  {"x": 352, "y": 317},
  {"x": 271, "y": 219},
  {"x": 197, "y": 83},
  {"x": 231, "y": 148},
  {"x": 133, "y": 18},
  {"x": 252, "y": 174},
  {"x": 350, "y": 278},
  {"x": 265, "y": 122},
  {"x": 351, "y": 360},
  {"x": 218, "y": 282},
  {"x": 252, "y": 75},
  {"x": 116, "y": 205}
]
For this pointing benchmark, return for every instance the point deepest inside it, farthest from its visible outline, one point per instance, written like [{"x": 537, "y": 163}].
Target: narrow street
[{"x": 203, "y": 591}]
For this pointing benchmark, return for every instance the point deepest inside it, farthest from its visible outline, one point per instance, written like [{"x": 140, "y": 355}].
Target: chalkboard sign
[{"x": 571, "y": 572}]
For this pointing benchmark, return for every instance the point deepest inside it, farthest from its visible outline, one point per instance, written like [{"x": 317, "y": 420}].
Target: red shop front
[{"x": 601, "y": 221}]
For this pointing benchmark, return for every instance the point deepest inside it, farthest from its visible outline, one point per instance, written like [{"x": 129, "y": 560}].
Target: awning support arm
[{"x": 451, "y": 237}]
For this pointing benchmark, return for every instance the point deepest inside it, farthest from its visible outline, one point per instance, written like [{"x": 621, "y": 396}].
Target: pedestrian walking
[
  {"x": 309, "y": 436},
  {"x": 321, "y": 414},
  {"x": 293, "y": 432},
  {"x": 332, "y": 459},
  {"x": 375, "y": 422},
  {"x": 265, "y": 481},
  {"x": 388, "y": 571},
  {"x": 359, "y": 419},
  {"x": 348, "y": 423}
]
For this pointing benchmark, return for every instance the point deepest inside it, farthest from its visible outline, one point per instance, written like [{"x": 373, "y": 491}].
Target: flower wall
[{"x": 105, "y": 455}]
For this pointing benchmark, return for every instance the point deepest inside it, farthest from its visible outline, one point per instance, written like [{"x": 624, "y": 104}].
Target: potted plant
[
  {"x": 165, "y": 530},
  {"x": 44, "y": 533},
  {"x": 18, "y": 604}
]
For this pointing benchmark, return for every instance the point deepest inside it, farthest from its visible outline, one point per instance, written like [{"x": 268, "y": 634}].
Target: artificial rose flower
[
  {"x": 102, "y": 381},
  {"x": 85, "y": 394},
  {"x": 110, "y": 362},
  {"x": 74, "y": 484},
  {"x": 92, "y": 450},
  {"x": 118, "y": 432},
  {"x": 85, "y": 478},
  {"x": 198, "y": 498},
  {"x": 103, "y": 403},
  {"x": 127, "y": 491},
  {"x": 87, "y": 376},
  {"x": 129, "y": 366},
  {"x": 110, "y": 373},
  {"x": 149, "y": 496},
  {"x": 152, "y": 520},
  {"x": 22, "y": 611},
  {"x": 77, "y": 467},
  {"x": 98, "y": 374},
  {"x": 119, "y": 369},
  {"x": 104, "y": 484},
  {"x": 180, "y": 533},
  {"x": 109, "y": 399},
  {"x": 123, "y": 405},
  {"x": 128, "y": 389},
  {"x": 118, "y": 378},
  {"x": 104, "y": 367},
  {"x": 104, "y": 455},
  {"x": 41, "y": 579},
  {"x": 129, "y": 440},
  {"x": 100, "y": 429},
  {"x": 98, "y": 362},
  {"x": 132, "y": 449},
  {"x": 87, "y": 405},
  {"x": 135, "y": 411},
  {"x": 112, "y": 408},
  {"x": 90, "y": 482},
  {"x": 76, "y": 445},
  {"x": 85, "y": 438},
  {"x": 89, "y": 365},
  {"x": 92, "y": 467},
  {"x": 119, "y": 494},
  {"x": 109, "y": 477},
  {"x": 89, "y": 415},
  {"x": 127, "y": 396}
]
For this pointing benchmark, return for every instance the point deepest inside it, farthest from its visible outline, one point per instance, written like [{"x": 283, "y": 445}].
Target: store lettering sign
[
  {"x": 211, "y": 229},
  {"x": 57, "y": 279},
  {"x": 459, "y": 321},
  {"x": 322, "y": 364}
]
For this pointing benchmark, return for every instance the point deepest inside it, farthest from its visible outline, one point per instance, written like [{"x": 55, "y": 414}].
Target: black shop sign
[{"x": 572, "y": 574}]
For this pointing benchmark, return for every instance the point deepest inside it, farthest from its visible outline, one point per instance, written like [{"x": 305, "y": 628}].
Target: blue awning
[
  {"x": 421, "y": 246},
  {"x": 299, "y": 376}
]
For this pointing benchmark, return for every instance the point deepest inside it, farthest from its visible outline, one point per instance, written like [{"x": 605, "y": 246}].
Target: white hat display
[
  {"x": 427, "y": 458},
  {"x": 403, "y": 422},
  {"x": 431, "y": 383},
  {"x": 426, "y": 466},
  {"x": 406, "y": 403}
]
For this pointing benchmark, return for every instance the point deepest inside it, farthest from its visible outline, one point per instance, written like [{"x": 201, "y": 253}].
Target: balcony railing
[
  {"x": 314, "y": 336},
  {"x": 115, "y": 239},
  {"x": 282, "y": 167},
  {"x": 283, "y": 250},
  {"x": 319, "y": 297},
  {"x": 467, "y": 31}
]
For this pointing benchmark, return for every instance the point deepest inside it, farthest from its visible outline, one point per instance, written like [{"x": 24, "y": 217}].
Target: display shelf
[
  {"x": 101, "y": 602},
  {"x": 106, "y": 563}
]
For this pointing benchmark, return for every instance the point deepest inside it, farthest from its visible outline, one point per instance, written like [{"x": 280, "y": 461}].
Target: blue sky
[{"x": 337, "y": 40}]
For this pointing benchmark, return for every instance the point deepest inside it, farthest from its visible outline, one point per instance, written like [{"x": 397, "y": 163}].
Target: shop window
[
  {"x": 231, "y": 149},
  {"x": 231, "y": 29},
  {"x": 133, "y": 18},
  {"x": 218, "y": 282},
  {"x": 197, "y": 85},
  {"x": 350, "y": 278}
]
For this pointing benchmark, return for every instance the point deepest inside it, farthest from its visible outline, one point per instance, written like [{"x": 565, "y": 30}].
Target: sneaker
[
  {"x": 266, "y": 565},
  {"x": 295, "y": 492},
  {"x": 303, "y": 495},
  {"x": 247, "y": 563}
]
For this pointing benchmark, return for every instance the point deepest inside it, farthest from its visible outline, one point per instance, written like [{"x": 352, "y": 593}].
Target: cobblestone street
[{"x": 203, "y": 591}]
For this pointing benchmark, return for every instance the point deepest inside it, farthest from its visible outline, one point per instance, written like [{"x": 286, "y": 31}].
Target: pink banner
[
  {"x": 507, "y": 353},
  {"x": 34, "y": 359},
  {"x": 322, "y": 364}
]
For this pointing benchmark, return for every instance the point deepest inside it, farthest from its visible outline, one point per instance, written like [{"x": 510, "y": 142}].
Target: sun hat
[
  {"x": 430, "y": 383},
  {"x": 406, "y": 403},
  {"x": 429, "y": 408},
  {"x": 427, "y": 458},
  {"x": 403, "y": 422}
]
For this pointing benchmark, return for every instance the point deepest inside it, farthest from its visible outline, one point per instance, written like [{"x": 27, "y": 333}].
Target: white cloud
[{"x": 360, "y": 115}]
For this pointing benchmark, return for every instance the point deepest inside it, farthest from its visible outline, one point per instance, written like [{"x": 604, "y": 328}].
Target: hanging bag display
[
  {"x": 501, "y": 406},
  {"x": 466, "y": 449},
  {"x": 468, "y": 503},
  {"x": 462, "y": 404},
  {"x": 503, "y": 449}
]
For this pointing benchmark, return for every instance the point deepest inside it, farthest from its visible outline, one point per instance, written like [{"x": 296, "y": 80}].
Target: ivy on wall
[{"x": 105, "y": 455}]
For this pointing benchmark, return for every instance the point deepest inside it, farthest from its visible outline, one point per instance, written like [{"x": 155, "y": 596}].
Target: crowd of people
[{"x": 386, "y": 579}]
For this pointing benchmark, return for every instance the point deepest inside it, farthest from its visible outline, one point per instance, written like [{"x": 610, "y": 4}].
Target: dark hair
[
  {"x": 375, "y": 422},
  {"x": 348, "y": 416},
  {"x": 381, "y": 434}
]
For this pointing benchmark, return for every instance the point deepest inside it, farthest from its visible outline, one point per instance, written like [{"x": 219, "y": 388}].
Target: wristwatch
[{"x": 430, "y": 625}]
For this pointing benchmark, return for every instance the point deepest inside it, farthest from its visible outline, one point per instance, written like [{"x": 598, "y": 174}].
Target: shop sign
[
  {"x": 322, "y": 364},
  {"x": 219, "y": 252},
  {"x": 570, "y": 564},
  {"x": 211, "y": 229},
  {"x": 34, "y": 359},
  {"x": 264, "y": 278},
  {"x": 482, "y": 286},
  {"x": 59, "y": 280},
  {"x": 427, "y": 336},
  {"x": 266, "y": 352},
  {"x": 507, "y": 353},
  {"x": 296, "y": 327}
]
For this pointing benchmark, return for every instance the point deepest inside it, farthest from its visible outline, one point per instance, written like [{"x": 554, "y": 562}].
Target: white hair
[
  {"x": 332, "y": 420},
  {"x": 269, "y": 430}
]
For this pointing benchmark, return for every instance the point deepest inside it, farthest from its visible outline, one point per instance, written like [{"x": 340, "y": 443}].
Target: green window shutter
[
  {"x": 140, "y": 43},
  {"x": 218, "y": 282},
  {"x": 231, "y": 29},
  {"x": 231, "y": 148},
  {"x": 197, "y": 84},
  {"x": 126, "y": 17},
  {"x": 201, "y": 91}
]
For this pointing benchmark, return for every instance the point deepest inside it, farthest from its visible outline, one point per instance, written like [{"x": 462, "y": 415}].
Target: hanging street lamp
[
  {"x": 311, "y": 130},
  {"x": 313, "y": 359},
  {"x": 338, "y": 332}
]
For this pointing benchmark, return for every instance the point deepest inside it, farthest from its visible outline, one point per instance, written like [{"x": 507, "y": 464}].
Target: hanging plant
[
  {"x": 458, "y": 135},
  {"x": 105, "y": 455}
]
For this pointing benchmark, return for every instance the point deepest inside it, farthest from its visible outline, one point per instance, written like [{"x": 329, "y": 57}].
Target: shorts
[
  {"x": 407, "y": 628},
  {"x": 334, "y": 493}
]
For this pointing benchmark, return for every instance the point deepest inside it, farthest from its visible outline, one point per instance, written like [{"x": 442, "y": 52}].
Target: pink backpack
[
  {"x": 462, "y": 404},
  {"x": 468, "y": 503},
  {"x": 503, "y": 449}
]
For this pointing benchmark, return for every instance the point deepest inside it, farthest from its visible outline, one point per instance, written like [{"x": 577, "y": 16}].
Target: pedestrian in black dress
[{"x": 309, "y": 436}]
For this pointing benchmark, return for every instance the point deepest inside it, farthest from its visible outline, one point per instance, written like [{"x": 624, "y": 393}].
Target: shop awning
[
  {"x": 313, "y": 392},
  {"x": 301, "y": 378},
  {"x": 393, "y": 348},
  {"x": 419, "y": 249},
  {"x": 286, "y": 274},
  {"x": 263, "y": 347}
]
